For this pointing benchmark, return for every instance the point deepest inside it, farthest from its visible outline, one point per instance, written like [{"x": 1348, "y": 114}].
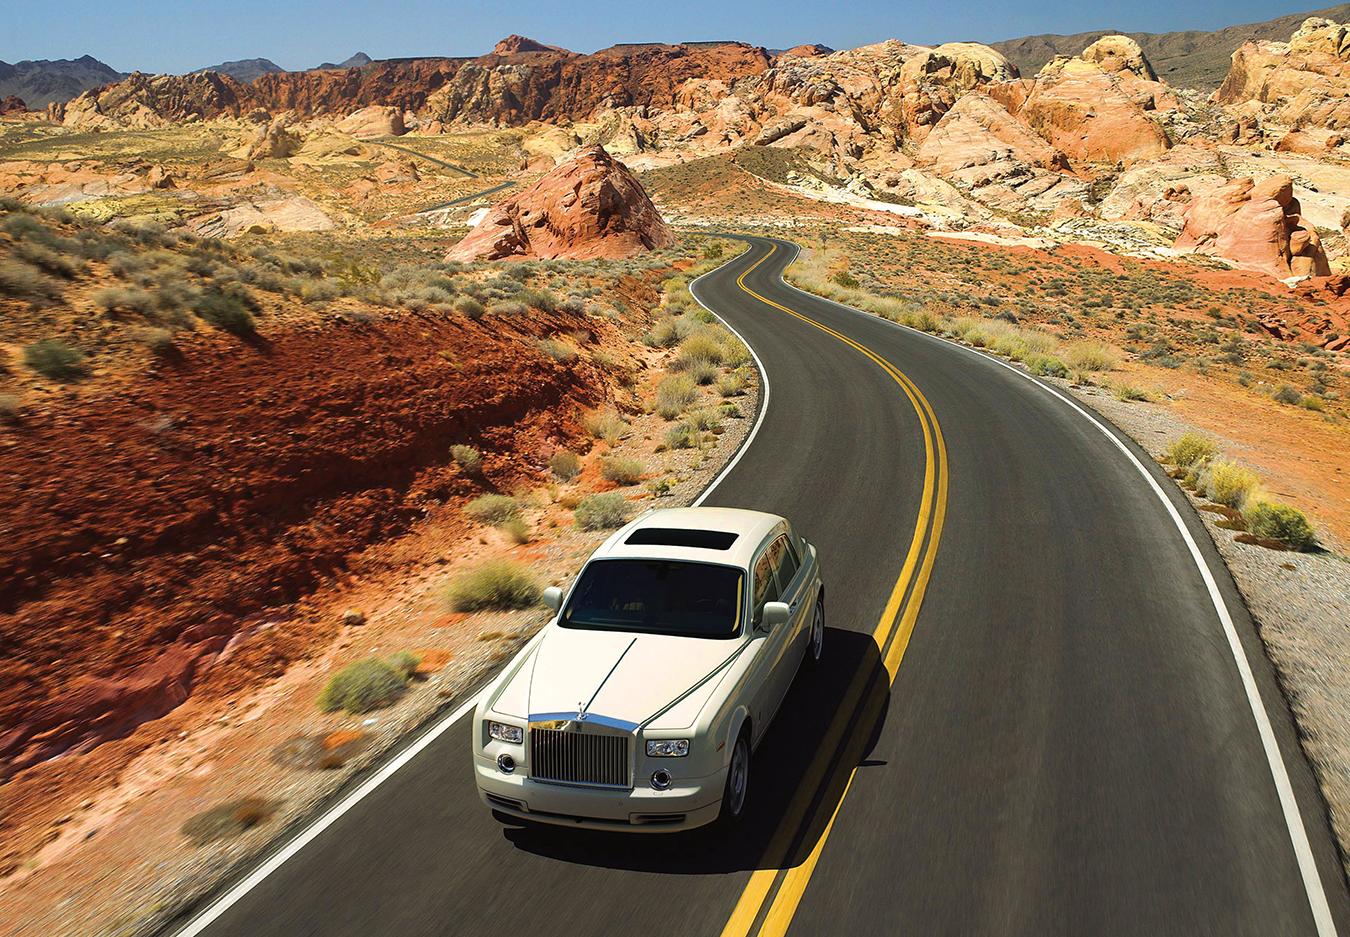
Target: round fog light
[
  {"x": 506, "y": 763},
  {"x": 661, "y": 779}
]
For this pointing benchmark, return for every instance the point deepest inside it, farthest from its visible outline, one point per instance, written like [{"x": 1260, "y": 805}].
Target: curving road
[{"x": 1033, "y": 719}]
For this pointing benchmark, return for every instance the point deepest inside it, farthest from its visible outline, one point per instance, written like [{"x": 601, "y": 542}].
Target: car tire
[
  {"x": 736, "y": 794},
  {"x": 815, "y": 639}
]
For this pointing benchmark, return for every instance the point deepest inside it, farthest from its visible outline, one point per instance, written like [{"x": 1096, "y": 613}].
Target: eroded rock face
[
  {"x": 1119, "y": 53},
  {"x": 591, "y": 206},
  {"x": 1301, "y": 83},
  {"x": 13, "y": 104},
  {"x": 1257, "y": 225},
  {"x": 373, "y": 121}
]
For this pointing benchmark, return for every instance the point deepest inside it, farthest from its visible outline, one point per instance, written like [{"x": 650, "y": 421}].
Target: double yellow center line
[{"x": 770, "y": 899}]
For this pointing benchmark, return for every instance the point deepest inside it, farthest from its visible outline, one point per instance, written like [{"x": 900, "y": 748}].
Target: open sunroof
[{"x": 676, "y": 537}]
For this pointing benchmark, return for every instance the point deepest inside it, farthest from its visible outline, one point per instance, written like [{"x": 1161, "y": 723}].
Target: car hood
[{"x": 625, "y": 676}]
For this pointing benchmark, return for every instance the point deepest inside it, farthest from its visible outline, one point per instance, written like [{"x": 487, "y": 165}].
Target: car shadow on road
[{"x": 778, "y": 771}]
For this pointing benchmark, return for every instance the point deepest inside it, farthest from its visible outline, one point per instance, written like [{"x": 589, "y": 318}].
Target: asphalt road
[{"x": 1066, "y": 746}]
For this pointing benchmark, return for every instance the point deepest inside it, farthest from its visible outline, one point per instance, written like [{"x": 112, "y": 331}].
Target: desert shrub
[
  {"x": 620, "y": 470},
  {"x": 363, "y": 686},
  {"x": 732, "y": 385},
  {"x": 565, "y": 464},
  {"x": 405, "y": 662},
  {"x": 501, "y": 584},
  {"x": 116, "y": 300},
  {"x": 1091, "y": 356},
  {"x": 704, "y": 418},
  {"x": 1191, "y": 449},
  {"x": 701, "y": 372},
  {"x": 1314, "y": 403},
  {"x": 605, "y": 424},
  {"x": 674, "y": 395},
  {"x": 1130, "y": 392},
  {"x": 516, "y": 530},
  {"x": 224, "y": 311},
  {"x": 543, "y": 300},
  {"x": 682, "y": 435},
  {"x": 1286, "y": 394},
  {"x": 845, "y": 279},
  {"x": 227, "y": 820},
  {"x": 730, "y": 410},
  {"x": 602, "y": 511},
  {"x": 664, "y": 333},
  {"x": 54, "y": 360},
  {"x": 1270, "y": 520},
  {"x": 493, "y": 509},
  {"x": 556, "y": 349},
  {"x": 573, "y": 304},
  {"x": 508, "y": 307},
  {"x": 1228, "y": 483},
  {"x": 468, "y": 306},
  {"x": 49, "y": 260},
  {"x": 702, "y": 346},
  {"x": 467, "y": 458},
  {"x": 21, "y": 226},
  {"x": 10, "y": 406},
  {"x": 158, "y": 340},
  {"x": 1046, "y": 366},
  {"x": 21, "y": 280}
]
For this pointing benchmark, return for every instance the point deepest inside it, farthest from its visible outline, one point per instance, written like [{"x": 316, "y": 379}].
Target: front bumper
[{"x": 689, "y": 803}]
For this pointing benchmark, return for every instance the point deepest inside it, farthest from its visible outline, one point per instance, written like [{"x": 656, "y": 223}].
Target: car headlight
[
  {"x": 505, "y": 733},
  {"x": 667, "y": 748}
]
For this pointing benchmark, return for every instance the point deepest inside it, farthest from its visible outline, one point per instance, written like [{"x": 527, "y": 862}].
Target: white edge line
[
  {"x": 1298, "y": 835},
  {"x": 222, "y": 904},
  {"x": 763, "y": 379}
]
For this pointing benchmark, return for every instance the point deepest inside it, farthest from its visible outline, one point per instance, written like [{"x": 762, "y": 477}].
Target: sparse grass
[
  {"x": 1270, "y": 520},
  {"x": 701, "y": 372},
  {"x": 54, "y": 360},
  {"x": 469, "y": 459},
  {"x": 1128, "y": 392},
  {"x": 493, "y": 509},
  {"x": 621, "y": 471},
  {"x": 606, "y": 425},
  {"x": 1091, "y": 356},
  {"x": 565, "y": 464},
  {"x": 602, "y": 511},
  {"x": 1191, "y": 449},
  {"x": 557, "y": 350},
  {"x": 363, "y": 686},
  {"x": 674, "y": 395},
  {"x": 732, "y": 385},
  {"x": 1228, "y": 483},
  {"x": 496, "y": 584}
]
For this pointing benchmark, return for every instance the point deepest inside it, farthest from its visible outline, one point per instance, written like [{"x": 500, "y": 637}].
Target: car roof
[{"x": 751, "y": 527}]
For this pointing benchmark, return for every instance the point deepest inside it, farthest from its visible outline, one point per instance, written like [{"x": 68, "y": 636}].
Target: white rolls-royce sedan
[{"x": 639, "y": 705}]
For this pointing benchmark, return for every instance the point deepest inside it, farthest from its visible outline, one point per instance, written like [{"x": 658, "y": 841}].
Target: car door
[
  {"x": 766, "y": 684},
  {"x": 794, "y": 588}
]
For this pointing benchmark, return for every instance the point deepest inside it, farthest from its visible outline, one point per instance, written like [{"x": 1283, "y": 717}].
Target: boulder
[
  {"x": 396, "y": 170},
  {"x": 1117, "y": 54},
  {"x": 373, "y": 121},
  {"x": 590, "y": 206},
  {"x": 1256, "y": 225},
  {"x": 1301, "y": 83},
  {"x": 12, "y": 104}
]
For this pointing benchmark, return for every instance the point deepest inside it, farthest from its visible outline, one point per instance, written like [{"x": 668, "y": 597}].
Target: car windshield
[{"x": 700, "y": 600}]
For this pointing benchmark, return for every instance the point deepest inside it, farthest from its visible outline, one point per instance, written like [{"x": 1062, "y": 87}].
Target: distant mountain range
[
  {"x": 356, "y": 61},
  {"x": 1191, "y": 59},
  {"x": 246, "y": 70},
  {"x": 41, "y": 82}
]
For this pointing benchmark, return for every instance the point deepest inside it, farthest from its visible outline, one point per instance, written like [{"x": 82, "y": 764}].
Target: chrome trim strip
[{"x": 543, "y": 720}]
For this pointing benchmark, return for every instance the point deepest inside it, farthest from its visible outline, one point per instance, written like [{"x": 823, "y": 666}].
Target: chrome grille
[{"x": 577, "y": 758}]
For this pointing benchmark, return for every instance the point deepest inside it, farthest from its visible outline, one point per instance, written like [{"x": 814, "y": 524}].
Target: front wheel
[
  {"x": 817, "y": 636},
  {"x": 738, "y": 783}
]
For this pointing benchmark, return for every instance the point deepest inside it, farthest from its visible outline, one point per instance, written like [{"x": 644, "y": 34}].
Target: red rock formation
[
  {"x": 12, "y": 105},
  {"x": 513, "y": 44},
  {"x": 1304, "y": 82},
  {"x": 591, "y": 206},
  {"x": 1257, "y": 225}
]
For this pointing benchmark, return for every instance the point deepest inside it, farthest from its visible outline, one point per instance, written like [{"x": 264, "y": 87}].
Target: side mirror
[
  {"x": 553, "y": 597},
  {"x": 775, "y": 613}
]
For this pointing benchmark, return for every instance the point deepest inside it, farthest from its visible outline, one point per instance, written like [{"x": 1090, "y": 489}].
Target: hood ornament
[{"x": 581, "y": 712}]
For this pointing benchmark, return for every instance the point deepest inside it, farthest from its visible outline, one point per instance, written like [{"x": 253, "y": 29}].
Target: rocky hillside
[
  {"x": 1189, "y": 59},
  {"x": 42, "y": 82},
  {"x": 245, "y": 70}
]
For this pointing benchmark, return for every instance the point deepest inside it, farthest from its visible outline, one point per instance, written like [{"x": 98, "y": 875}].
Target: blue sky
[{"x": 157, "y": 36}]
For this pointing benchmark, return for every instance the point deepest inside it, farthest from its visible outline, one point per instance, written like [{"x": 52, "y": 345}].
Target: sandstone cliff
[
  {"x": 1257, "y": 225},
  {"x": 1301, "y": 83}
]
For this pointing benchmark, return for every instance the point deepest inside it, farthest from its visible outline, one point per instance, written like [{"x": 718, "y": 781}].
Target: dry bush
[
  {"x": 602, "y": 511},
  {"x": 54, "y": 360},
  {"x": 1190, "y": 449},
  {"x": 1091, "y": 356},
  {"x": 621, "y": 471},
  {"x": 565, "y": 464},
  {"x": 733, "y": 385},
  {"x": 228, "y": 820},
  {"x": 469, "y": 459},
  {"x": 1228, "y": 483},
  {"x": 499, "y": 584},
  {"x": 674, "y": 395},
  {"x": 363, "y": 686},
  {"x": 606, "y": 425},
  {"x": 493, "y": 509}
]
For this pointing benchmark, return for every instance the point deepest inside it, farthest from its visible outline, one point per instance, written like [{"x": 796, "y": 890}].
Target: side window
[
  {"x": 788, "y": 564},
  {"x": 766, "y": 588}
]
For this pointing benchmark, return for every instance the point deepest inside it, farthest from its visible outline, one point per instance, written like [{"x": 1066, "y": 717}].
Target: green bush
[
  {"x": 602, "y": 511},
  {"x": 664, "y": 334},
  {"x": 363, "y": 686},
  {"x": 1287, "y": 394},
  {"x": 682, "y": 435},
  {"x": 701, "y": 345},
  {"x": 1269, "y": 520},
  {"x": 674, "y": 395},
  {"x": 733, "y": 385},
  {"x": 566, "y": 465},
  {"x": 500, "y": 584},
  {"x": 54, "y": 360},
  {"x": 468, "y": 306},
  {"x": 467, "y": 458},
  {"x": 405, "y": 662},
  {"x": 845, "y": 279},
  {"x": 493, "y": 509},
  {"x": 225, "y": 312},
  {"x": 621, "y": 471},
  {"x": 1044, "y": 365},
  {"x": 1228, "y": 483},
  {"x": 1190, "y": 449},
  {"x": 704, "y": 418},
  {"x": 702, "y": 372}
]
